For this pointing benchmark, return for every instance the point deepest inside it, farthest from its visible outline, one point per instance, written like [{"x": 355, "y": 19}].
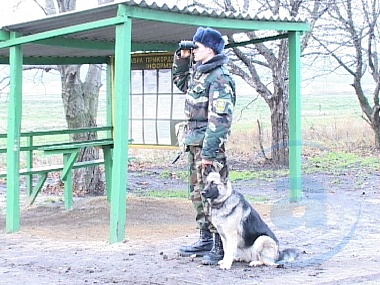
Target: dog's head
[{"x": 217, "y": 188}]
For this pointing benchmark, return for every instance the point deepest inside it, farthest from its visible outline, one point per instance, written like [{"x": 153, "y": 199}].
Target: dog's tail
[{"x": 288, "y": 255}]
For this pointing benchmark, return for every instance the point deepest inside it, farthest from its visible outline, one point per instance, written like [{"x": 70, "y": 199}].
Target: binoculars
[{"x": 187, "y": 45}]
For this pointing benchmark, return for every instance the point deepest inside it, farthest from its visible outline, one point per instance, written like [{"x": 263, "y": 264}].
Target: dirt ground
[{"x": 336, "y": 225}]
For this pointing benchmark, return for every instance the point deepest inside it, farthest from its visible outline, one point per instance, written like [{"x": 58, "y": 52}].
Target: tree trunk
[
  {"x": 279, "y": 106},
  {"x": 371, "y": 113},
  {"x": 80, "y": 105},
  {"x": 80, "y": 102},
  {"x": 377, "y": 136},
  {"x": 280, "y": 127}
]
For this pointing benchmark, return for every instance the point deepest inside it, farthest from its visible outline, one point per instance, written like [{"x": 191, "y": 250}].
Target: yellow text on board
[{"x": 152, "y": 61}]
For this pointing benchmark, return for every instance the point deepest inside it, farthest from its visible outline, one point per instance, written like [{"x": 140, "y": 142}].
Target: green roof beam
[
  {"x": 4, "y": 36},
  {"x": 97, "y": 45},
  {"x": 62, "y": 32},
  {"x": 178, "y": 18},
  {"x": 59, "y": 60},
  {"x": 154, "y": 47},
  {"x": 257, "y": 41},
  {"x": 80, "y": 44}
]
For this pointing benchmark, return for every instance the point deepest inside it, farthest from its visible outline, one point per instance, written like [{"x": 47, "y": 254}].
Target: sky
[{"x": 13, "y": 11}]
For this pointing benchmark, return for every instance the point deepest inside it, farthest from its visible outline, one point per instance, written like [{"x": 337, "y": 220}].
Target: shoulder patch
[{"x": 220, "y": 105}]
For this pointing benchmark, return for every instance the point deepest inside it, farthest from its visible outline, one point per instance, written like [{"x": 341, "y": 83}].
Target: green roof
[{"x": 89, "y": 35}]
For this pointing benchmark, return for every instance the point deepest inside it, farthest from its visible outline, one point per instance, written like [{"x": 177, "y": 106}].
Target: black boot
[
  {"x": 216, "y": 253},
  {"x": 200, "y": 247}
]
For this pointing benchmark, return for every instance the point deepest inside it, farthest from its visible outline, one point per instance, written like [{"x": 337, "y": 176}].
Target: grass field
[
  {"x": 46, "y": 111},
  {"x": 328, "y": 120}
]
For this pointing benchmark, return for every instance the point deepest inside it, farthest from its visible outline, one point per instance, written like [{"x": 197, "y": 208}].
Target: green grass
[
  {"x": 175, "y": 194},
  {"x": 256, "y": 199},
  {"x": 322, "y": 162},
  {"x": 181, "y": 194},
  {"x": 45, "y": 111},
  {"x": 266, "y": 175},
  {"x": 183, "y": 175},
  {"x": 340, "y": 162},
  {"x": 52, "y": 200},
  {"x": 327, "y": 119},
  {"x": 315, "y": 108}
]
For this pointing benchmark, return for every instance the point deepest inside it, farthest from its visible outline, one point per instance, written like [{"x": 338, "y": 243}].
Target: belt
[{"x": 196, "y": 124}]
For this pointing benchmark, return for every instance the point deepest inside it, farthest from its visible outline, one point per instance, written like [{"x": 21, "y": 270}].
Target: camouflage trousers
[{"x": 197, "y": 179}]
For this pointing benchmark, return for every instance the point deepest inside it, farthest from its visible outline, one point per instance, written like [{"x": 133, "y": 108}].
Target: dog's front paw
[
  {"x": 225, "y": 265},
  {"x": 256, "y": 263}
]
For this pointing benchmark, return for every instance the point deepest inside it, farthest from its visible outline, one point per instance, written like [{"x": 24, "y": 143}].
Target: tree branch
[{"x": 340, "y": 62}]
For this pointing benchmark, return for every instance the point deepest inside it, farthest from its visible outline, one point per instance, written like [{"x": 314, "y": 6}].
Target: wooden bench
[
  {"x": 43, "y": 171},
  {"x": 70, "y": 152}
]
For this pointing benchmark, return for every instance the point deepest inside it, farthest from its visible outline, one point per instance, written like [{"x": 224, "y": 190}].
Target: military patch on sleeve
[{"x": 220, "y": 106}]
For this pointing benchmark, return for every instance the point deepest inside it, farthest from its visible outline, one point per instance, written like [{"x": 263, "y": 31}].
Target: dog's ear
[
  {"x": 224, "y": 174},
  {"x": 208, "y": 169}
]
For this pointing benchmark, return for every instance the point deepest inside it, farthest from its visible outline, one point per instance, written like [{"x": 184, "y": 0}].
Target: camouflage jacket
[{"x": 209, "y": 104}]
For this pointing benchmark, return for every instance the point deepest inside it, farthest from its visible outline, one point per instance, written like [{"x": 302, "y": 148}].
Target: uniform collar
[{"x": 217, "y": 60}]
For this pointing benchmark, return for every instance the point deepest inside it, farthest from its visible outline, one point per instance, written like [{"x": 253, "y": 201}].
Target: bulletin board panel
[{"x": 156, "y": 104}]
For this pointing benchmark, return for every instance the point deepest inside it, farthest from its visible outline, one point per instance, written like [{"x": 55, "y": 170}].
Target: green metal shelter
[{"x": 115, "y": 31}]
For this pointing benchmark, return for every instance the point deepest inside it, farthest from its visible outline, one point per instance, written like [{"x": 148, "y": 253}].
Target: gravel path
[{"x": 337, "y": 225}]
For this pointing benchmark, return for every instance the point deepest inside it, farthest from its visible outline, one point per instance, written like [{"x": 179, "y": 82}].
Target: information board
[{"x": 156, "y": 103}]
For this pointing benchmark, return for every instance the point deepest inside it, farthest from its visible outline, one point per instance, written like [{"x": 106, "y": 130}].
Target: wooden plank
[
  {"x": 42, "y": 172},
  {"x": 54, "y": 168},
  {"x": 72, "y": 145},
  {"x": 97, "y": 143}
]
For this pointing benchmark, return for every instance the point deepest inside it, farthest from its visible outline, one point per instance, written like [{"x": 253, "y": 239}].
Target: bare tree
[
  {"x": 351, "y": 37},
  {"x": 80, "y": 101},
  {"x": 264, "y": 66}
]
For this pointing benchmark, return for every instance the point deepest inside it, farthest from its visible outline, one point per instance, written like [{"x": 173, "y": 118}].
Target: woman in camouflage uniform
[{"x": 210, "y": 99}]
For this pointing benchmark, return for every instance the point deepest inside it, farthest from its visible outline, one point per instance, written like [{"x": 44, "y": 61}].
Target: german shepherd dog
[{"x": 245, "y": 236}]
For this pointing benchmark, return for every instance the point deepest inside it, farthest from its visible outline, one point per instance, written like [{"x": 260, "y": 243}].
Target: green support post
[
  {"x": 107, "y": 152},
  {"x": 295, "y": 133},
  {"x": 37, "y": 189},
  {"x": 67, "y": 177},
  {"x": 69, "y": 158},
  {"x": 109, "y": 92},
  {"x": 121, "y": 127},
  {"x": 13, "y": 138},
  {"x": 29, "y": 165}
]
